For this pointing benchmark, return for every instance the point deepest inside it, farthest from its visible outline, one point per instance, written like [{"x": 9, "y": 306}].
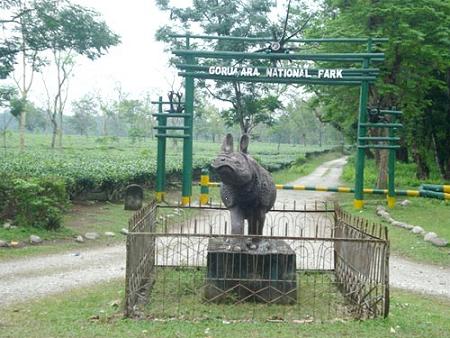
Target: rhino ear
[
  {"x": 244, "y": 143},
  {"x": 227, "y": 145}
]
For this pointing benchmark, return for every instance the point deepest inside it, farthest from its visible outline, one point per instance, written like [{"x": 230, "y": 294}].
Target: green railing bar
[
  {"x": 311, "y": 71},
  {"x": 382, "y": 125},
  {"x": 378, "y": 146},
  {"x": 264, "y": 79},
  {"x": 387, "y": 112},
  {"x": 171, "y": 128},
  {"x": 171, "y": 115},
  {"x": 166, "y": 102},
  {"x": 172, "y": 136},
  {"x": 270, "y": 39},
  {"x": 368, "y": 138},
  {"x": 280, "y": 56}
]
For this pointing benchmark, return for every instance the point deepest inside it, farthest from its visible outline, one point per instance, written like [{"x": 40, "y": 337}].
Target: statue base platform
[{"x": 237, "y": 273}]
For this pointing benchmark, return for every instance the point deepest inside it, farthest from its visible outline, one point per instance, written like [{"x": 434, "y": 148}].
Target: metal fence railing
[{"x": 314, "y": 262}]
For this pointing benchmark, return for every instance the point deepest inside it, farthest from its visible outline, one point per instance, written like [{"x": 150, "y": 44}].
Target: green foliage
[
  {"x": 87, "y": 166},
  {"x": 414, "y": 77},
  {"x": 249, "y": 104},
  {"x": 37, "y": 202},
  {"x": 412, "y": 315},
  {"x": 405, "y": 177}
]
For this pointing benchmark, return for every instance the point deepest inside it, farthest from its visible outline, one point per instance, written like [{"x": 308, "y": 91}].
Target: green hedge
[{"x": 37, "y": 202}]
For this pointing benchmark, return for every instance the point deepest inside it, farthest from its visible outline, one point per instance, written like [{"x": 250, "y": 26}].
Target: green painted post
[
  {"x": 391, "y": 169},
  {"x": 161, "y": 156},
  {"x": 187, "y": 142},
  {"x": 362, "y": 132}
]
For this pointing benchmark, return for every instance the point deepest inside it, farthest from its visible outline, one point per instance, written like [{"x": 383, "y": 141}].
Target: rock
[
  {"x": 3, "y": 244},
  {"x": 417, "y": 230},
  {"x": 91, "y": 235},
  {"x": 134, "y": 196},
  {"x": 109, "y": 234},
  {"x": 124, "y": 231},
  {"x": 405, "y": 203},
  {"x": 35, "y": 239},
  {"x": 79, "y": 239},
  {"x": 438, "y": 241},
  {"x": 14, "y": 244},
  {"x": 380, "y": 210},
  {"x": 407, "y": 226},
  {"x": 7, "y": 226},
  {"x": 428, "y": 236},
  {"x": 397, "y": 224}
]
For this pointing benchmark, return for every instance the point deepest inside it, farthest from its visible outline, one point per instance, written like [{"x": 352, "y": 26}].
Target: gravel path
[{"x": 34, "y": 277}]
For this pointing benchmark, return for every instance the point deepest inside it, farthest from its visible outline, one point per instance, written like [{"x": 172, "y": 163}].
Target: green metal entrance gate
[{"x": 361, "y": 76}]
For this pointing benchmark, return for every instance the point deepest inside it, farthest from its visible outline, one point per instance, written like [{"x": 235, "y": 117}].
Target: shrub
[{"x": 37, "y": 202}]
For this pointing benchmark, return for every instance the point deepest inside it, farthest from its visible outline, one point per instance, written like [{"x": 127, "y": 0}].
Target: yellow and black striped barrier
[{"x": 205, "y": 184}]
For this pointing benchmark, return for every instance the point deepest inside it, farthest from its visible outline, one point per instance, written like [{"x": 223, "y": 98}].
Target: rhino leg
[
  {"x": 256, "y": 222},
  {"x": 237, "y": 221}
]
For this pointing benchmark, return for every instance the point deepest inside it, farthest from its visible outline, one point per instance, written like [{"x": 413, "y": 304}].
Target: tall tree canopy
[
  {"x": 229, "y": 18},
  {"x": 35, "y": 26},
  {"x": 415, "y": 75}
]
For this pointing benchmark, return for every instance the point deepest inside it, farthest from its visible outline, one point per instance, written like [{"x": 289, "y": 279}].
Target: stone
[
  {"x": 7, "y": 225},
  {"x": 134, "y": 197},
  {"x": 406, "y": 226},
  {"x": 428, "y": 236},
  {"x": 417, "y": 230},
  {"x": 438, "y": 241},
  {"x": 35, "y": 239},
  {"x": 247, "y": 189},
  {"x": 124, "y": 231},
  {"x": 405, "y": 203},
  {"x": 234, "y": 271},
  {"x": 14, "y": 244},
  {"x": 3, "y": 244},
  {"x": 397, "y": 224},
  {"x": 79, "y": 239},
  {"x": 109, "y": 234},
  {"x": 91, "y": 235}
]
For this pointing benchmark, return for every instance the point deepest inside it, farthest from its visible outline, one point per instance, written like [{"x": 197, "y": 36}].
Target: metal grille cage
[{"x": 313, "y": 262}]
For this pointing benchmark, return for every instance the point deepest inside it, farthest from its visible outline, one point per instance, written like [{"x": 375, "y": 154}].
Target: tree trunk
[
  {"x": 22, "y": 121},
  {"x": 402, "y": 154},
  {"x": 60, "y": 130},
  {"x": 54, "y": 132},
  {"x": 422, "y": 171},
  {"x": 382, "y": 178}
]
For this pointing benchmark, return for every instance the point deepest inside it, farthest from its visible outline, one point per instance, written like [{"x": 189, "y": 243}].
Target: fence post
[
  {"x": 186, "y": 188},
  {"x": 161, "y": 155},
  {"x": 204, "y": 186}
]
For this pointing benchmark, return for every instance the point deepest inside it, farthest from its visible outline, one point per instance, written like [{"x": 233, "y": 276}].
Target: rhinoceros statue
[{"x": 247, "y": 189}]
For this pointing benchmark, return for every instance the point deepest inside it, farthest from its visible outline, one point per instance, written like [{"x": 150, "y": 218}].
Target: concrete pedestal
[{"x": 237, "y": 273}]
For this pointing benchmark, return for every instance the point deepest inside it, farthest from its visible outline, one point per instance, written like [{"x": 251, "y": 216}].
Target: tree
[
  {"x": 414, "y": 77},
  {"x": 57, "y": 26},
  {"x": 234, "y": 18},
  {"x": 7, "y": 95},
  {"x": 84, "y": 112}
]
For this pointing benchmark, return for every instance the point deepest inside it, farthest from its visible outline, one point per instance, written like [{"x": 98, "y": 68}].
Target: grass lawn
[
  {"x": 81, "y": 218},
  {"x": 431, "y": 214},
  {"x": 93, "y": 312}
]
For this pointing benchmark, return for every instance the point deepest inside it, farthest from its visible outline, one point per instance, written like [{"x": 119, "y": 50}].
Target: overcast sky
[{"x": 139, "y": 63}]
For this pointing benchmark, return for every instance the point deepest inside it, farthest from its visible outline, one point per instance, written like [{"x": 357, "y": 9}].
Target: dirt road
[{"x": 34, "y": 277}]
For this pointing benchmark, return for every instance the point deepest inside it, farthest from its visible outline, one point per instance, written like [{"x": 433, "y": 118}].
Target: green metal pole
[
  {"x": 362, "y": 132},
  {"x": 391, "y": 172},
  {"x": 161, "y": 156},
  {"x": 187, "y": 142}
]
